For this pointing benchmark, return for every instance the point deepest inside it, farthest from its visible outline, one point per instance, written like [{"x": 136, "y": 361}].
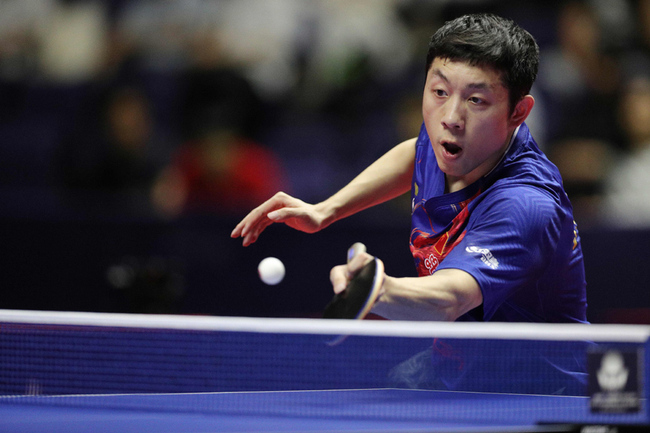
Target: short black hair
[{"x": 492, "y": 41}]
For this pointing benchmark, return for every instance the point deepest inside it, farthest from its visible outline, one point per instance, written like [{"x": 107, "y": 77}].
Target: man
[{"x": 493, "y": 235}]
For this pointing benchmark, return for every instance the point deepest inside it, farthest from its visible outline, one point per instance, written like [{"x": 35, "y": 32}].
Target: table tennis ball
[{"x": 271, "y": 270}]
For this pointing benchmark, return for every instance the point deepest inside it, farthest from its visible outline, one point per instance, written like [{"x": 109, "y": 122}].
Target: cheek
[
  {"x": 494, "y": 126},
  {"x": 426, "y": 107},
  {"x": 429, "y": 113},
  {"x": 488, "y": 137}
]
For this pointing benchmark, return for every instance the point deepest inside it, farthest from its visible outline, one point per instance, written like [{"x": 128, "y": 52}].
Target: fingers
[
  {"x": 250, "y": 228},
  {"x": 358, "y": 262},
  {"x": 355, "y": 249},
  {"x": 252, "y": 234},
  {"x": 339, "y": 278},
  {"x": 341, "y": 275},
  {"x": 257, "y": 220},
  {"x": 282, "y": 214}
]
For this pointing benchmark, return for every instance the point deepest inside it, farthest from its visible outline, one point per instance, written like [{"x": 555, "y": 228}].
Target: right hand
[
  {"x": 341, "y": 275},
  {"x": 281, "y": 208}
]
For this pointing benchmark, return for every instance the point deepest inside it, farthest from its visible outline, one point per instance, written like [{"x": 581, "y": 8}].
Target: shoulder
[
  {"x": 519, "y": 197},
  {"x": 525, "y": 168},
  {"x": 523, "y": 209}
]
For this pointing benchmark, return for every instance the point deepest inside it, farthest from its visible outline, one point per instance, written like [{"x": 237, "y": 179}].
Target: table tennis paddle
[{"x": 356, "y": 301}]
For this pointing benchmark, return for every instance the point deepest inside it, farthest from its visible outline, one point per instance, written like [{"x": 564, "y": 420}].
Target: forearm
[
  {"x": 443, "y": 296},
  {"x": 387, "y": 178}
]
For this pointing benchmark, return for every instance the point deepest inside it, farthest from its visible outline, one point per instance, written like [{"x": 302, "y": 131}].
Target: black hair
[{"x": 492, "y": 41}]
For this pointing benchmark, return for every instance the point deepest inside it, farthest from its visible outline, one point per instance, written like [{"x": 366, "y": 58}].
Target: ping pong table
[
  {"x": 379, "y": 410},
  {"x": 72, "y": 372}
]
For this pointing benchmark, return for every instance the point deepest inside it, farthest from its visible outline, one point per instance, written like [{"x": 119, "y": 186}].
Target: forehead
[{"x": 464, "y": 74}]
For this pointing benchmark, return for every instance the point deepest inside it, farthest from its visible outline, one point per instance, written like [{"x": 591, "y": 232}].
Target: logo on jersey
[
  {"x": 431, "y": 263},
  {"x": 486, "y": 256},
  {"x": 432, "y": 240}
]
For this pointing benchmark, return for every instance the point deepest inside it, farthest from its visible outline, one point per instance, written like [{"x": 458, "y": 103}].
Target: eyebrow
[{"x": 474, "y": 86}]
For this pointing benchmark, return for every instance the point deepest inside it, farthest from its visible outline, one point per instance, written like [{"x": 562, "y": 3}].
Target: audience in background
[
  {"x": 300, "y": 90},
  {"x": 218, "y": 168},
  {"x": 220, "y": 172},
  {"x": 627, "y": 196},
  {"x": 580, "y": 78},
  {"x": 112, "y": 158}
]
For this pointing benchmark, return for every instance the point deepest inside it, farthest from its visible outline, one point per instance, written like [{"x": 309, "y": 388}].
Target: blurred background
[{"x": 135, "y": 134}]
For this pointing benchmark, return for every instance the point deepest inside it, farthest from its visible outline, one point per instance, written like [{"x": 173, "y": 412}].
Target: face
[{"x": 467, "y": 116}]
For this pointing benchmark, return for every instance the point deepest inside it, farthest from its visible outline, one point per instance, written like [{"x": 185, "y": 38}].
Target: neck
[{"x": 453, "y": 184}]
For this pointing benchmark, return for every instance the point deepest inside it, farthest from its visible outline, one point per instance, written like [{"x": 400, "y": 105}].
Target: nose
[{"x": 453, "y": 117}]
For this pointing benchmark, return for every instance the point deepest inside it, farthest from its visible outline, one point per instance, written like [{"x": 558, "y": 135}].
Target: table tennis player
[{"x": 493, "y": 235}]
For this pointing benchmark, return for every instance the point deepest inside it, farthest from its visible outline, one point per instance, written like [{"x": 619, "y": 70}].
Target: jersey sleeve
[{"x": 508, "y": 243}]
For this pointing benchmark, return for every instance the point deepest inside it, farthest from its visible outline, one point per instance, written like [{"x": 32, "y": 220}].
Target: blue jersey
[{"x": 512, "y": 230}]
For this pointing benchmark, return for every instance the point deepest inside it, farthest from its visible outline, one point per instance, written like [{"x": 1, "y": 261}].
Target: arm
[
  {"x": 446, "y": 295},
  {"x": 386, "y": 178}
]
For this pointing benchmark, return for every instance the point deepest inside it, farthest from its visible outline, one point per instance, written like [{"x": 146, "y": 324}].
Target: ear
[{"x": 521, "y": 111}]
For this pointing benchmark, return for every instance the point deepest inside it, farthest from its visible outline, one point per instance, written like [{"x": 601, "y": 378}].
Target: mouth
[{"x": 451, "y": 148}]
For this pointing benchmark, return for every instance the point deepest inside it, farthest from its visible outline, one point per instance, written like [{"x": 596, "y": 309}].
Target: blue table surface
[{"x": 378, "y": 410}]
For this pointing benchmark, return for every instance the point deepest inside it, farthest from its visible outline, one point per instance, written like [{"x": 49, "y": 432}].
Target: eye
[
  {"x": 439, "y": 92},
  {"x": 476, "y": 100}
]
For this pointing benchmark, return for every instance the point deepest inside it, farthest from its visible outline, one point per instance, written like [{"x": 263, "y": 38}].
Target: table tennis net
[{"x": 52, "y": 353}]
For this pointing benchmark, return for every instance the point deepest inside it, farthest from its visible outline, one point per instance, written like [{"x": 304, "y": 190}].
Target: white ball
[{"x": 271, "y": 270}]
